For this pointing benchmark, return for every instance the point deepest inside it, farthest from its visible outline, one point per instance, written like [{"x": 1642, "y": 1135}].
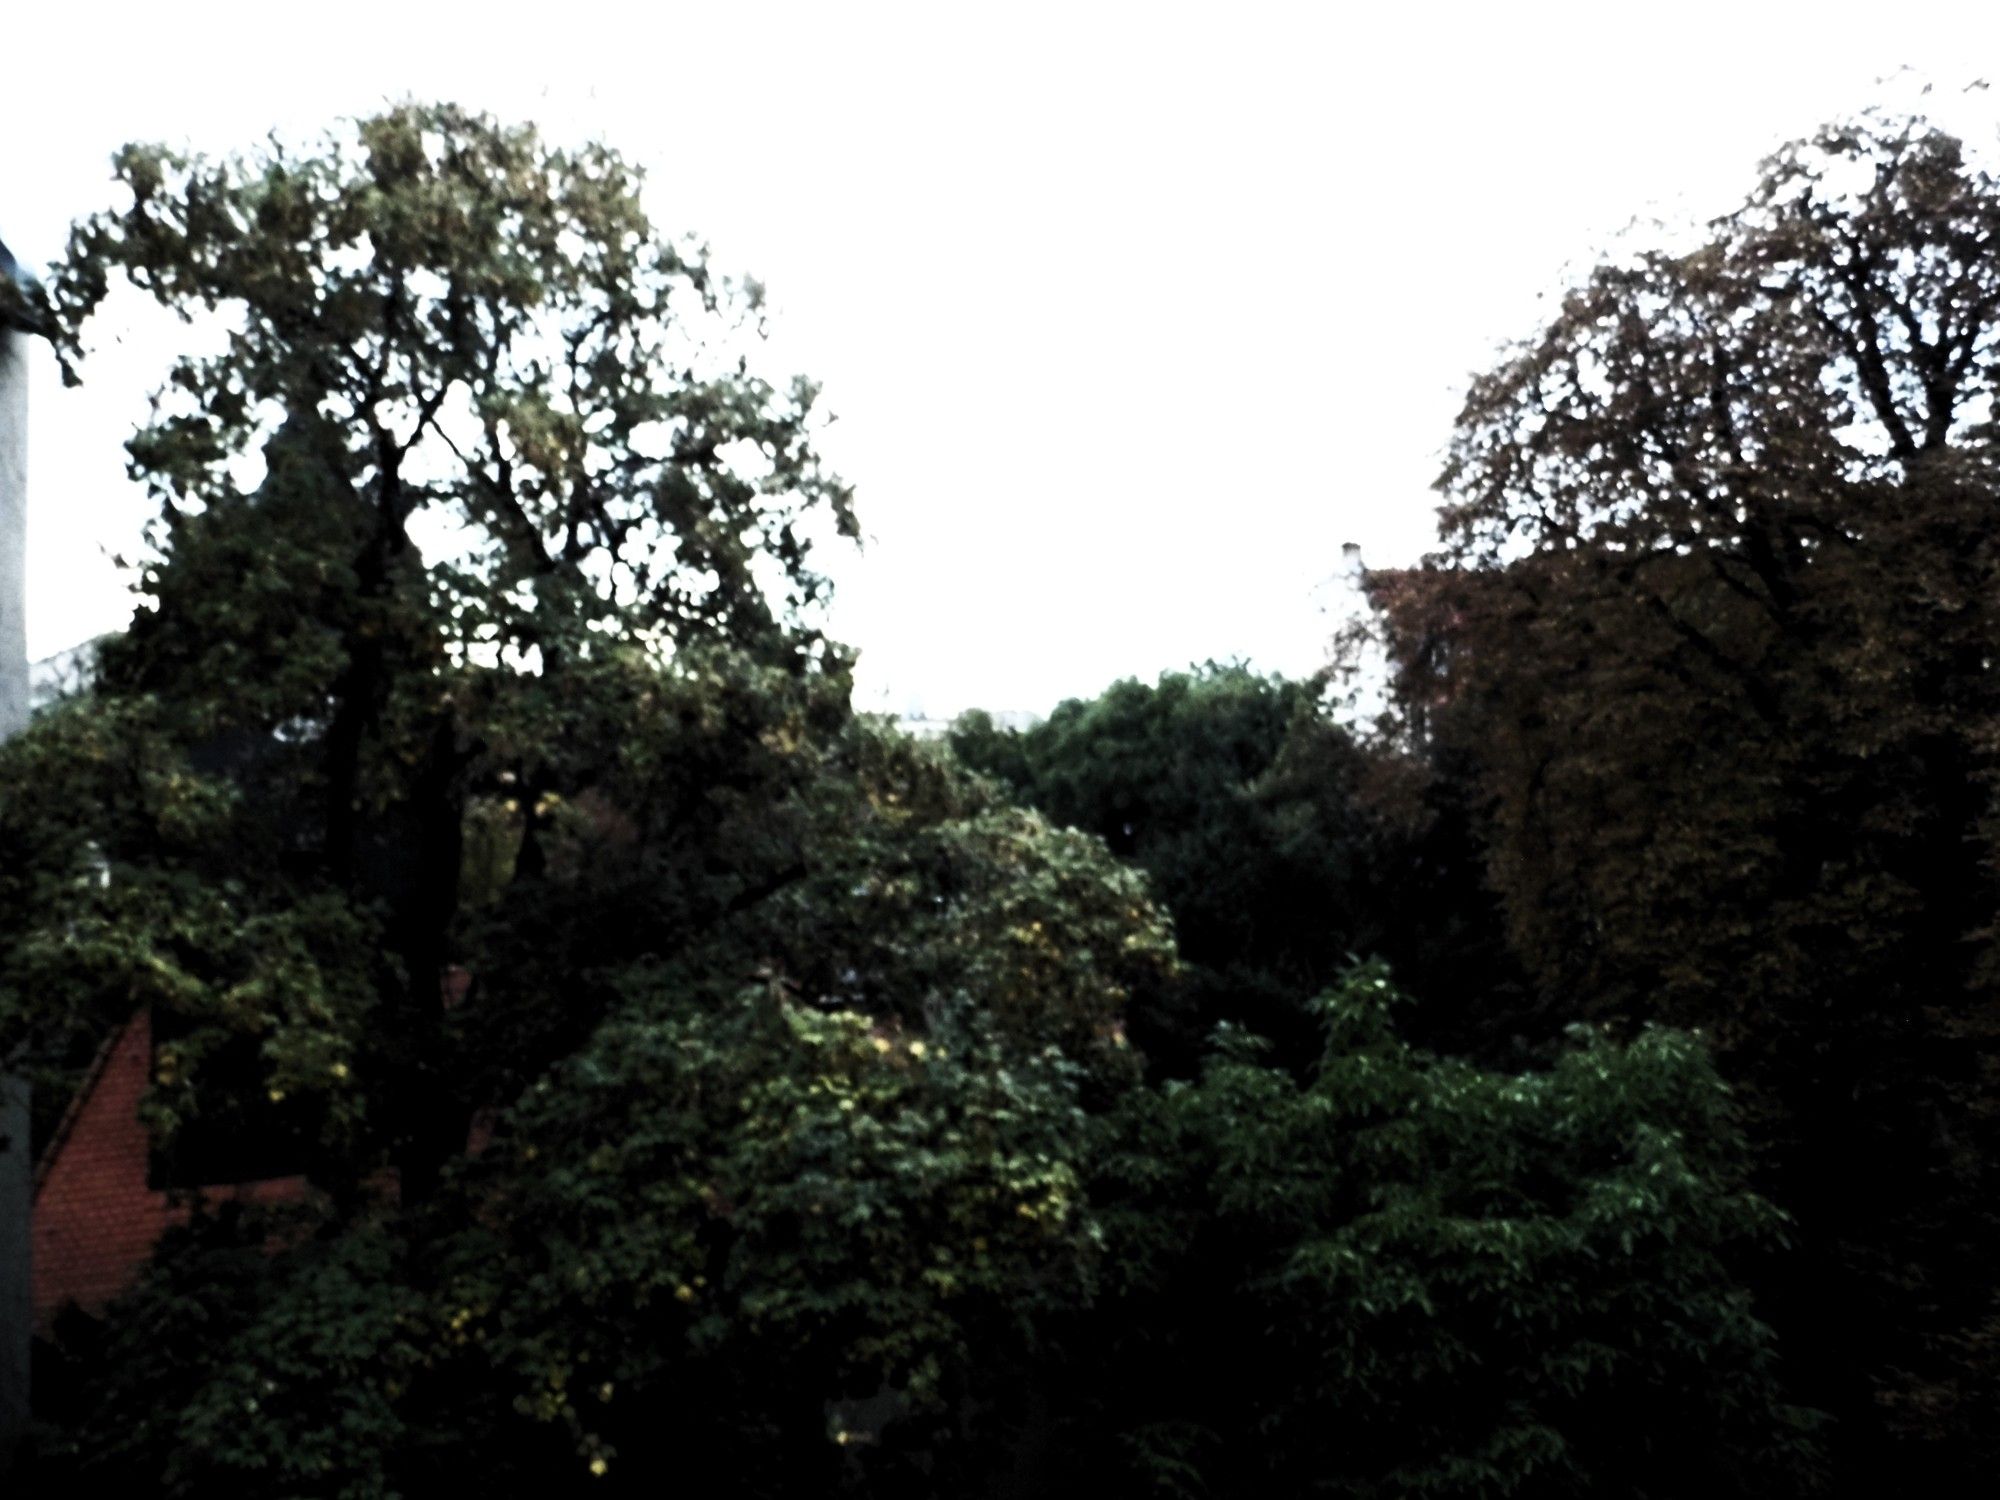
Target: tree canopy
[
  {"x": 1286, "y": 847},
  {"x": 789, "y": 1121},
  {"x": 1713, "y": 626}
]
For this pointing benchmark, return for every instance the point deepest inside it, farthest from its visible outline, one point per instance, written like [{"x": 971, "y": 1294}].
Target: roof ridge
[{"x": 84, "y": 1089}]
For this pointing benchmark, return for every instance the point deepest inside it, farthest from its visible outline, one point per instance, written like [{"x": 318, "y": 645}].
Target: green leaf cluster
[{"x": 1411, "y": 1276}]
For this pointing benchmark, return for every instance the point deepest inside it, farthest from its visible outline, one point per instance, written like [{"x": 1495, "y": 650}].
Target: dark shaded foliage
[
  {"x": 1713, "y": 632},
  {"x": 1285, "y": 848}
]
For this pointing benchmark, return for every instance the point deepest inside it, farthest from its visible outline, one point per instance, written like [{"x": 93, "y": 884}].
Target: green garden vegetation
[{"x": 1036, "y": 1113}]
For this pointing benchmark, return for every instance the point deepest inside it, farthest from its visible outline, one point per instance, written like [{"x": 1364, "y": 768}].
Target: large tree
[
  {"x": 480, "y": 633},
  {"x": 463, "y": 449},
  {"x": 1715, "y": 622}
]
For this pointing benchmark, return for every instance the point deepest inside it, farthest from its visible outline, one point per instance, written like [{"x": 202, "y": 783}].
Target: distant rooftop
[
  {"x": 931, "y": 727},
  {"x": 61, "y": 676}
]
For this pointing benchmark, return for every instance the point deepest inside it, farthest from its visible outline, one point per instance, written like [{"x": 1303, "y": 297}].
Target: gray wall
[
  {"x": 13, "y": 531},
  {"x": 16, "y": 1169}
]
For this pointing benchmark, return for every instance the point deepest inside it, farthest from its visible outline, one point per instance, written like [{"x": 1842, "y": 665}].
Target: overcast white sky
[{"x": 1131, "y": 315}]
